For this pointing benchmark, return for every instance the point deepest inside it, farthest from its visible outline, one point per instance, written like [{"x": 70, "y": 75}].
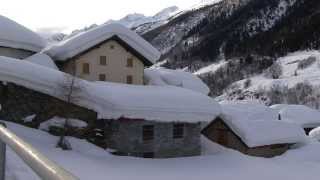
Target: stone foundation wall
[
  {"x": 15, "y": 53},
  {"x": 18, "y": 102},
  {"x": 125, "y": 136}
]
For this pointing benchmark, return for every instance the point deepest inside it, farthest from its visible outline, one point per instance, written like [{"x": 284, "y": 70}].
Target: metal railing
[{"x": 42, "y": 166}]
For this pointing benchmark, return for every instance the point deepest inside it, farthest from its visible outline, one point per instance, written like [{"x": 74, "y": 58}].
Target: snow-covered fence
[{"x": 45, "y": 168}]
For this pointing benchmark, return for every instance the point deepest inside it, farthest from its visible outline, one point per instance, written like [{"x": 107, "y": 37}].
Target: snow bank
[
  {"x": 179, "y": 78},
  {"x": 85, "y": 40},
  {"x": 111, "y": 100},
  {"x": 14, "y": 35},
  {"x": 257, "y": 125},
  {"x": 302, "y": 115},
  {"x": 315, "y": 133},
  {"x": 43, "y": 60},
  {"x": 89, "y": 162},
  {"x": 59, "y": 122}
]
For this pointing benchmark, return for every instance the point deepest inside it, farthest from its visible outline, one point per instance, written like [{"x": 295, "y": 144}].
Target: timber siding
[
  {"x": 218, "y": 128},
  {"x": 125, "y": 136},
  {"x": 115, "y": 70}
]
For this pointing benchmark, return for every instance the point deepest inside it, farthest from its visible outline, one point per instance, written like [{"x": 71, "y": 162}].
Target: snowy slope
[
  {"x": 89, "y": 162},
  {"x": 14, "y": 35},
  {"x": 300, "y": 67},
  {"x": 138, "y": 22},
  {"x": 142, "y": 23}
]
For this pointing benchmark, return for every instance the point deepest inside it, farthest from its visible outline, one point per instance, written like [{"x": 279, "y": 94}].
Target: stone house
[
  {"x": 16, "y": 41},
  {"x": 106, "y": 53},
  {"x": 247, "y": 128},
  {"x": 152, "y": 139}
]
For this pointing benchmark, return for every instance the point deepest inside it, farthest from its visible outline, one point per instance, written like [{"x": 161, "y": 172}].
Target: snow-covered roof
[
  {"x": 85, "y": 40},
  {"x": 179, "y": 78},
  {"x": 14, "y": 35},
  {"x": 299, "y": 114},
  {"x": 257, "y": 125},
  {"x": 315, "y": 133},
  {"x": 43, "y": 60},
  {"x": 249, "y": 110},
  {"x": 111, "y": 100}
]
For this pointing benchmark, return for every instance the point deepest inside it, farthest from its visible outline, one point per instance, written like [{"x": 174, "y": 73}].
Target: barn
[
  {"x": 252, "y": 130},
  {"x": 17, "y": 41}
]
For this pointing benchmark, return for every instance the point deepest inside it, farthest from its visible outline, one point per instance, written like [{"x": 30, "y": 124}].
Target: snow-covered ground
[{"x": 92, "y": 163}]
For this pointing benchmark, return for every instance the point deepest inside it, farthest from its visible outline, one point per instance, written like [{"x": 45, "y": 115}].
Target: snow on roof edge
[{"x": 85, "y": 40}]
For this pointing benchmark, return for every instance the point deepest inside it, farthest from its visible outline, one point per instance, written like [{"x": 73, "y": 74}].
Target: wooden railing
[{"x": 41, "y": 165}]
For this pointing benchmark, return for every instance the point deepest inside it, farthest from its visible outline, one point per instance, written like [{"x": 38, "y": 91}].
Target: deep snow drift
[
  {"x": 179, "y": 78},
  {"x": 92, "y": 163},
  {"x": 14, "y": 35},
  {"x": 302, "y": 115}
]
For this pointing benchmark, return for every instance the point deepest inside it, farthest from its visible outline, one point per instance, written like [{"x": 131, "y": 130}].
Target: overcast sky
[{"x": 65, "y": 15}]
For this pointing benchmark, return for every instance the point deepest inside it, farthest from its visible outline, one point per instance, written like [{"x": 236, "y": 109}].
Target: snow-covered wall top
[
  {"x": 111, "y": 100},
  {"x": 43, "y": 60},
  {"x": 257, "y": 125},
  {"x": 299, "y": 114},
  {"x": 14, "y": 35},
  {"x": 179, "y": 78},
  {"x": 85, "y": 40}
]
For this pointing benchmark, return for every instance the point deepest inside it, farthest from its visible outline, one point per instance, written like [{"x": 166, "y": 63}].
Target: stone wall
[
  {"x": 18, "y": 102},
  {"x": 15, "y": 53},
  {"x": 125, "y": 136}
]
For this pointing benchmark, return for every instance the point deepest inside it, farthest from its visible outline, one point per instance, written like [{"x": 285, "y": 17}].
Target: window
[
  {"x": 178, "y": 131},
  {"x": 148, "y": 155},
  {"x": 102, "y": 77},
  {"x": 148, "y": 133},
  {"x": 103, "y": 60},
  {"x": 111, "y": 46},
  {"x": 129, "y": 79},
  {"x": 130, "y": 62},
  {"x": 85, "y": 68}
]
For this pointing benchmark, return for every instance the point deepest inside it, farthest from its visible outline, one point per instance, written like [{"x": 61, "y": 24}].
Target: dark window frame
[
  {"x": 103, "y": 60},
  {"x": 102, "y": 77},
  {"x": 147, "y": 133},
  {"x": 85, "y": 68},
  {"x": 129, "y": 79},
  {"x": 130, "y": 62},
  {"x": 148, "y": 155},
  {"x": 178, "y": 131}
]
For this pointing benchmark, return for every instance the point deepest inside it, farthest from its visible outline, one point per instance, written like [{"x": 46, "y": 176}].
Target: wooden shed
[
  {"x": 219, "y": 132},
  {"x": 253, "y": 129}
]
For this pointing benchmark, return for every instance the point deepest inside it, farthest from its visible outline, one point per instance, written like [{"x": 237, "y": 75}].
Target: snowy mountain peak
[{"x": 167, "y": 12}]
